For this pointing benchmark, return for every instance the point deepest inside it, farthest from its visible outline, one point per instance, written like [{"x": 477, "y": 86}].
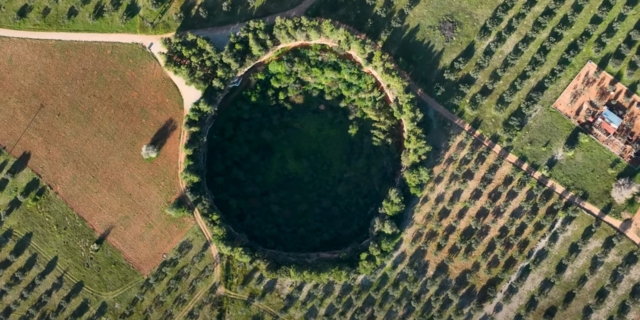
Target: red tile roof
[{"x": 607, "y": 127}]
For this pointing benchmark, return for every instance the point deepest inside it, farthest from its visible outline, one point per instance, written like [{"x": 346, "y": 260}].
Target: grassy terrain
[
  {"x": 48, "y": 267},
  {"x": 238, "y": 10},
  {"x": 413, "y": 36},
  {"x": 215, "y": 306},
  {"x": 47, "y": 264},
  {"x": 590, "y": 169},
  {"x": 174, "y": 283},
  {"x": 56, "y": 231},
  {"x": 130, "y": 16},
  {"x": 591, "y": 274},
  {"x": 507, "y": 64},
  {"x": 36, "y": 285},
  {"x": 81, "y": 127}
]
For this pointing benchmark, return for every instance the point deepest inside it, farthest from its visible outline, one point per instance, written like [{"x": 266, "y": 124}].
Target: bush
[
  {"x": 623, "y": 190},
  {"x": 149, "y": 152},
  {"x": 178, "y": 208}
]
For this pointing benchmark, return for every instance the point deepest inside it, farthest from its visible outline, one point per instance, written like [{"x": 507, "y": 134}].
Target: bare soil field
[{"x": 79, "y": 114}]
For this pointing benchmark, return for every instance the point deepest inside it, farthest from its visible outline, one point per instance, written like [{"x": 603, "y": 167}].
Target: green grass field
[
  {"x": 132, "y": 16},
  {"x": 590, "y": 169},
  {"x": 413, "y": 36}
]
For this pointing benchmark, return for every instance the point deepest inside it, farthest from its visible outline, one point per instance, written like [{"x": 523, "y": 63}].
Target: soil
[
  {"x": 82, "y": 112},
  {"x": 448, "y": 30},
  {"x": 588, "y": 93},
  {"x": 532, "y": 282}
]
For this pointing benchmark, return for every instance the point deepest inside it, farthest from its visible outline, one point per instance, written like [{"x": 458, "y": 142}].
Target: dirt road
[
  {"x": 220, "y": 35},
  {"x": 549, "y": 183}
]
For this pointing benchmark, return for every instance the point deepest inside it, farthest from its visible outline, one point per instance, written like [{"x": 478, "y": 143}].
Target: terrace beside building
[{"x": 606, "y": 109}]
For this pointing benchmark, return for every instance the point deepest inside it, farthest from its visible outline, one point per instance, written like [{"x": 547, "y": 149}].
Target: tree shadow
[
  {"x": 101, "y": 311},
  {"x": 20, "y": 164},
  {"x": 5, "y": 237},
  {"x": 24, "y": 11},
  {"x": 626, "y": 225},
  {"x": 29, "y": 264},
  {"x": 80, "y": 310},
  {"x": 98, "y": 11},
  {"x": 163, "y": 134},
  {"x": 115, "y": 4},
  {"x": 45, "y": 12},
  {"x": 30, "y": 187},
  {"x": 72, "y": 294},
  {"x": 131, "y": 10},
  {"x": 269, "y": 287},
  {"x": 3, "y": 165},
  {"x": 18, "y": 249},
  {"x": 72, "y": 12},
  {"x": 103, "y": 236},
  {"x": 49, "y": 267}
]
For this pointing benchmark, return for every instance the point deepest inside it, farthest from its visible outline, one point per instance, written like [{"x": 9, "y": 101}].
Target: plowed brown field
[{"x": 83, "y": 111}]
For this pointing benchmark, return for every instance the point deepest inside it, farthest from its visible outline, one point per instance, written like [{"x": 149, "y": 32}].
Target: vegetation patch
[
  {"x": 297, "y": 162},
  {"x": 81, "y": 127},
  {"x": 30, "y": 210},
  {"x": 48, "y": 269},
  {"x": 131, "y": 16},
  {"x": 508, "y": 63},
  {"x": 202, "y": 65},
  {"x": 585, "y": 167},
  {"x": 485, "y": 240},
  {"x": 448, "y": 29}
]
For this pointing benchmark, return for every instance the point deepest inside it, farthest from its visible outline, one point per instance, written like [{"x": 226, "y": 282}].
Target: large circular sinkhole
[{"x": 302, "y": 152}]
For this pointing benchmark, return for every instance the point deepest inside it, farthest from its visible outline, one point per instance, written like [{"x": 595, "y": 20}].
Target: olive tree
[
  {"x": 623, "y": 189},
  {"x": 149, "y": 152}
]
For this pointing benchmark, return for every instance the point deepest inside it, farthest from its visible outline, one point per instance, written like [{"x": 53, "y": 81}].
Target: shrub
[
  {"x": 623, "y": 190},
  {"x": 149, "y": 152},
  {"x": 393, "y": 204},
  {"x": 178, "y": 208}
]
